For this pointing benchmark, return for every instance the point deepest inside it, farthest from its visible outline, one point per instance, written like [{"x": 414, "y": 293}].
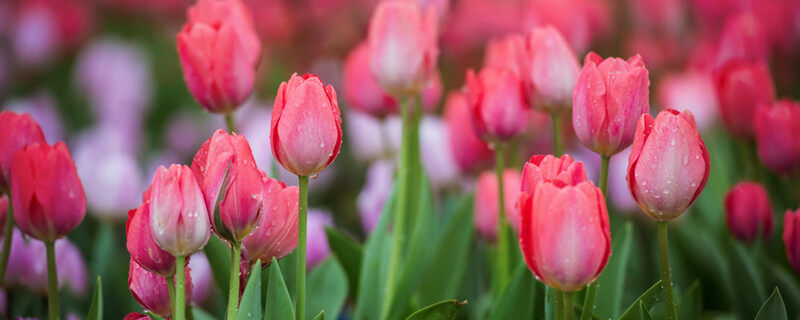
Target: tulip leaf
[
  {"x": 647, "y": 299},
  {"x": 691, "y": 302},
  {"x": 289, "y": 272},
  {"x": 374, "y": 266},
  {"x": 785, "y": 279},
  {"x": 327, "y": 288},
  {"x": 445, "y": 310},
  {"x": 200, "y": 314},
  {"x": 320, "y": 316},
  {"x": 250, "y": 305},
  {"x": 610, "y": 285},
  {"x": 96, "y": 308},
  {"x": 219, "y": 257},
  {"x": 773, "y": 308},
  {"x": 348, "y": 251},
  {"x": 643, "y": 312},
  {"x": 746, "y": 279},
  {"x": 279, "y": 304},
  {"x": 516, "y": 300}
]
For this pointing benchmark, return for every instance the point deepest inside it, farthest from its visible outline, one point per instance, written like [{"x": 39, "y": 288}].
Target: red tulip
[
  {"x": 791, "y": 237},
  {"x": 562, "y": 171},
  {"x": 506, "y": 53},
  {"x": 469, "y": 151},
  {"x": 741, "y": 88},
  {"x": 499, "y": 109},
  {"x": 276, "y": 232},
  {"x": 178, "y": 215},
  {"x": 403, "y": 47},
  {"x": 136, "y": 316},
  {"x": 226, "y": 158},
  {"x": 777, "y": 130},
  {"x": 150, "y": 290},
  {"x": 306, "y": 129},
  {"x": 668, "y": 166},
  {"x": 361, "y": 88},
  {"x": 46, "y": 191},
  {"x": 609, "y": 98},
  {"x": 219, "y": 51},
  {"x": 19, "y": 130},
  {"x": 564, "y": 234},
  {"x": 486, "y": 206},
  {"x": 748, "y": 212},
  {"x": 550, "y": 69},
  {"x": 141, "y": 245}
]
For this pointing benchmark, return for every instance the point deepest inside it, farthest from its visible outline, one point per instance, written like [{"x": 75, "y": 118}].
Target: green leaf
[
  {"x": 348, "y": 251},
  {"x": 289, "y": 270},
  {"x": 250, "y": 305},
  {"x": 610, "y": 285},
  {"x": 746, "y": 279},
  {"x": 327, "y": 288},
  {"x": 773, "y": 308},
  {"x": 96, "y": 308},
  {"x": 320, "y": 316},
  {"x": 279, "y": 304},
  {"x": 200, "y": 314},
  {"x": 690, "y": 306},
  {"x": 374, "y": 265},
  {"x": 647, "y": 299},
  {"x": 516, "y": 300},
  {"x": 445, "y": 310},
  {"x": 643, "y": 312},
  {"x": 219, "y": 257}
]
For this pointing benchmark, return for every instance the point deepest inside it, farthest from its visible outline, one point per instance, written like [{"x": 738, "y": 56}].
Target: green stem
[
  {"x": 230, "y": 122},
  {"x": 604, "y": 162},
  {"x": 180, "y": 288},
  {"x": 666, "y": 274},
  {"x": 301, "y": 249},
  {"x": 557, "y": 134},
  {"x": 569, "y": 305},
  {"x": 233, "y": 282},
  {"x": 558, "y": 305},
  {"x": 7, "y": 238},
  {"x": 171, "y": 291},
  {"x": 52, "y": 281},
  {"x": 502, "y": 260}
]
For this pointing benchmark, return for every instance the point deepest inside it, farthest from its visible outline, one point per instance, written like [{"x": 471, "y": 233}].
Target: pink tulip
[
  {"x": 564, "y": 234},
  {"x": 178, "y": 216},
  {"x": 19, "y": 130},
  {"x": 748, "y": 212},
  {"x": 318, "y": 249},
  {"x": 668, "y": 166},
  {"x": 403, "y": 49},
  {"x": 276, "y": 232},
  {"x": 141, "y": 245},
  {"x": 562, "y": 171},
  {"x": 306, "y": 129},
  {"x": 506, "y": 52},
  {"x": 470, "y": 152},
  {"x": 550, "y": 70},
  {"x": 741, "y": 88},
  {"x": 486, "y": 207},
  {"x": 497, "y": 102},
  {"x": 150, "y": 290},
  {"x": 46, "y": 191},
  {"x": 219, "y": 51},
  {"x": 361, "y": 88},
  {"x": 609, "y": 98},
  {"x": 777, "y": 129},
  {"x": 742, "y": 40},
  {"x": 791, "y": 237}
]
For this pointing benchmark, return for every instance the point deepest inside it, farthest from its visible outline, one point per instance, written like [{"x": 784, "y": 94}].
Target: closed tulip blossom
[
  {"x": 219, "y": 51},
  {"x": 469, "y": 151},
  {"x": 361, "y": 89},
  {"x": 564, "y": 234},
  {"x": 19, "y": 130},
  {"x": 777, "y": 129},
  {"x": 275, "y": 235},
  {"x": 497, "y": 102},
  {"x": 306, "y": 128},
  {"x": 402, "y": 46},
  {"x": 141, "y": 245},
  {"x": 227, "y": 174},
  {"x": 150, "y": 290},
  {"x": 668, "y": 166},
  {"x": 563, "y": 171},
  {"x": 748, "y": 212},
  {"x": 741, "y": 88},
  {"x": 178, "y": 214},
  {"x": 550, "y": 70},
  {"x": 610, "y": 95},
  {"x": 486, "y": 208},
  {"x": 46, "y": 192},
  {"x": 791, "y": 237}
]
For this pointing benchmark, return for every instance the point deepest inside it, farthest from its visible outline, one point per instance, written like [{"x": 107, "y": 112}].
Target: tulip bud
[
  {"x": 403, "y": 48},
  {"x": 276, "y": 232},
  {"x": 748, "y": 212},
  {"x": 564, "y": 234},
  {"x": 668, "y": 166},
  {"x": 610, "y": 96},
  {"x": 141, "y": 245},
  {"x": 777, "y": 130},
  {"x": 550, "y": 70},
  {"x": 791, "y": 237},
  {"x": 219, "y": 51},
  {"x": 318, "y": 249},
  {"x": 136, "y": 316},
  {"x": 499, "y": 109},
  {"x": 486, "y": 207},
  {"x": 19, "y": 130},
  {"x": 506, "y": 53},
  {"x": 178, "y": 215},
  {"x": 361, "y": 88},
  {"x": 46, "y": 192},
  {"x": 150, "y": 290},
  {"x": 306, "y": 129},
  {"x": 741, "y": 88},
  {"x": 562, "y": 171},
  {"x": 469, "y": 151}
]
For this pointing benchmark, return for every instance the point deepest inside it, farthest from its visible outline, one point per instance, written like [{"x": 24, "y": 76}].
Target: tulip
[
  {"x": 550, "y": 70},
  {"x": 275, "y": 236},
  {"x": 136, "y": 316},
  {"x": 777, "y": 130},
  {"x": 610, "y": 96},
  {"x": 402, "y": 46},
  {"x": 141, "y": 245},
  {"x": 231, "y": 183},
  {"x": 469, "y": 151},
  {"x": 178, "y": 214},
  {"x": 791, "y": 237},
  {"x": 150, "y": 290},
  {"x": 508, "y": 52},
  {"x": 318, "y": 249},
  {"x": 742, "y": 40},
  {"x": 563, "y": 171},
  {"x": 306, "y": 130},
  {"x": 564, "y": 234},
  {"x": 219, "y": 52},
  {"x": 361, "y": 88},
  {"x": 748, "y": 212},
  {"x": 741, "y": 88},
  {"x": 19, "y": 130},
  {"x": 377, "y": 188},
  {"x": 486, "y": 217},
  {"x": 499, "y": 109}
]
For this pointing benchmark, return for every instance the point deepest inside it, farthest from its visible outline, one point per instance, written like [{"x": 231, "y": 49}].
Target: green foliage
[
  {"x": 250, "y": 305},
  {"x": 279, "y": 304},
  {"x": 445, "y": 310},
  {"x": 773, "y": 308}
]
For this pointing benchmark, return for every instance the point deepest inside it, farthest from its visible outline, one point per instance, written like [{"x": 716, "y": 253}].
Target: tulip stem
[
  {"x": 180, "y": 291},
  {"x": 171, "y": 290},
  {"x": 569, "y": 305},
  {"x": 7, "y": 238},
  {"x": 301, "y": 249},
  {"x": 557, "y": 134},
  {"x": 666, "y": 273},
  {"x": 603, "y": 181},
  {"x": 52, "y": 281},
  {"x": 502, "y": 272},
  {"x": 558, "y": 305},
  {"x": 233, "y": 285},
  {"x": 230, "y": 122}
]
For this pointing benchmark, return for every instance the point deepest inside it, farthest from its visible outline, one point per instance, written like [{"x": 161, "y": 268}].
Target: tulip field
[{"x": 400, "y": 159}]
